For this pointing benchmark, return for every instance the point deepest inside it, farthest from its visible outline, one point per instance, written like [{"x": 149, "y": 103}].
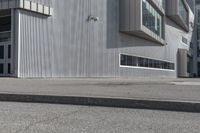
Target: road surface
[{"x": 55, "y": 118}]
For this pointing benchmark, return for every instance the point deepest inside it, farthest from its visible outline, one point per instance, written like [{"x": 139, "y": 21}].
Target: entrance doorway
[
  {"x": 5, "y": 59},
  {"x": 198, "y": 69},
  {"x": 5, "y": 42}
]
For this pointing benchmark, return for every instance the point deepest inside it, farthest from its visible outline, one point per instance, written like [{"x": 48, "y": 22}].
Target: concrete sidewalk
[{"x": 162, "y": 93}]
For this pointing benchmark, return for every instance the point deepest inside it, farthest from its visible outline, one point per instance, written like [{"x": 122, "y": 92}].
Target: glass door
[{"x": 5, "y": 59}]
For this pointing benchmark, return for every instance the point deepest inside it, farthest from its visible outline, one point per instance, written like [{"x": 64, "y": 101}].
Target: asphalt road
[{"x": 51, "y": 118}]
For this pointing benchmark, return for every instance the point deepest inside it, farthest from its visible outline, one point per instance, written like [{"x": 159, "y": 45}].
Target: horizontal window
[
  {"x": 5, "y": 23},
  {"x": 5, "y": 36},
  {"x": 5, "y": 12},
  {"x": 135, "y": 61}
]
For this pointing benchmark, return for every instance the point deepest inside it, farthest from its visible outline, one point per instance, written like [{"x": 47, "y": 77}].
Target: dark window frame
[{"x": 145, "y": 62}]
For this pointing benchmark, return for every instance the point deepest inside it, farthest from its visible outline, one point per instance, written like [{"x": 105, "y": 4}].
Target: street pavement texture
[
  {"x": 55, "y": 118},
  {"x": 135, "y": 88}
]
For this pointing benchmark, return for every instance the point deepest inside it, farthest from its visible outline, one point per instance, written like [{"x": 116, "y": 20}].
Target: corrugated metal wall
[
  {"x": 55, "y": 46},
  {"x": 67, "y": 45}
]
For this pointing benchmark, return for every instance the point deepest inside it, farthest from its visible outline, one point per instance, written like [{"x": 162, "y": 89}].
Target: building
[
  {"x": 197, "y": 29},
  {"x": 192, "y": 5},
  {"x": 95, "y": 38}
]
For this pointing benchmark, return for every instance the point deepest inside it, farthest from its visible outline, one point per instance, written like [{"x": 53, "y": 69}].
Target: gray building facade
[
  {"x": 95, "y": 38},
  {"x": 197, "y": 30}
]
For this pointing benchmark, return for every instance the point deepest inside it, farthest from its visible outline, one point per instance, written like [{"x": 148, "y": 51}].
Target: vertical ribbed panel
[
  {"x": 102, "y": 60},
  {"x": 67, "y": 45},
  {"x": 55, "y": 46}
]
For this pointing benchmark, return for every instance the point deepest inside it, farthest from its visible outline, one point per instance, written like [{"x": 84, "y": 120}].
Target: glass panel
[
  {"x": 198, "y": 69},
  {"x": 123, "y": 59},
  {"x": 163, "y": 65},
  {"x": 146, "y": 62},
  {"x": 152, "y": 19},
  {"x": 5, "y": 23},
  {"x": 1, "y": 52},
  {"x": 9, "y": 68},
  {"x": 157, "y": 64},
  {"x": 135, "y": 61},
  {"x": 183, "y": 11},
  {"x": 9, "y": 51},
  {"x": 162, "y": 2},
  {"x": 1, "y": 68},
  {"x": 5, "y": 12},
  {"x": 140, "y": 62},
  {"x": 150, "y": 63},
  {"x": 4, "y": 36},
  {"x": 128, "y": 60},
  {"x": 166, "y": 65}
]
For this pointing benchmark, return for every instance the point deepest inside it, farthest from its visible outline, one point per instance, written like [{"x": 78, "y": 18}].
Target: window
[
  {"x": 184, "y": 40},
  {"x": 140, "y": 62},
  {"x": 5, "y": 25},
  {"x": 183, "y": 12},
  {"x": 151, "y": 64},
  {"x": 129, "y": 60},
  {"x": 198, "y": 16},
  {"x": 151, "y": 19},
  {"x": 1, "y": 52},
  {"x": 5, "y": 36},
  {"x": 135, "y": 61},
  {"x": 9, "y": 68},
  {"x": 1, "y": 68},
  {"x": 123, "y": 60},
  {"x": 146, "y": 62},
  {"x": 162, "y": 2},
  {"x": 9, "y": 51}
]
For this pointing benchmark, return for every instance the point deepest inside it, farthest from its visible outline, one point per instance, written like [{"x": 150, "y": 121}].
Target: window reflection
[
  {"x": 5, "y": 25},
  {"x": 152, "y": 19},
  {"x": 134, "y": 61},
  {"x": 162, "y": 2},
  {"x": 183, "y": 11}
]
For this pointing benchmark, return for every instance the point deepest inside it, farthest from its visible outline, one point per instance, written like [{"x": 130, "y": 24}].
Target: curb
[{"x": 183, "y": 106}]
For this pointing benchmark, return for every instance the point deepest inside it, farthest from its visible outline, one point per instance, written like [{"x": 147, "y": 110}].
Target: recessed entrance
[
  {"x": 5, "y": 42},
  {"x": 5, "y": 59}
]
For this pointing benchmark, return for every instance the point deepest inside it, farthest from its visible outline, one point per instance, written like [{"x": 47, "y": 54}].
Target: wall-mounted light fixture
[{"x": 93, "y": 18}]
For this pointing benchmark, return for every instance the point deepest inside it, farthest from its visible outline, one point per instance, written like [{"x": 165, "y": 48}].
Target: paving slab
[{"x": 154, "y": 93}]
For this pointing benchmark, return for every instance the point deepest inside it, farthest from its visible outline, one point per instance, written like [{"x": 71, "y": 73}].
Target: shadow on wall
[
  {"x": 117, "y": 39},
  {"x": 34, "y": 14},
  {"x": 171, "y": 23}
]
